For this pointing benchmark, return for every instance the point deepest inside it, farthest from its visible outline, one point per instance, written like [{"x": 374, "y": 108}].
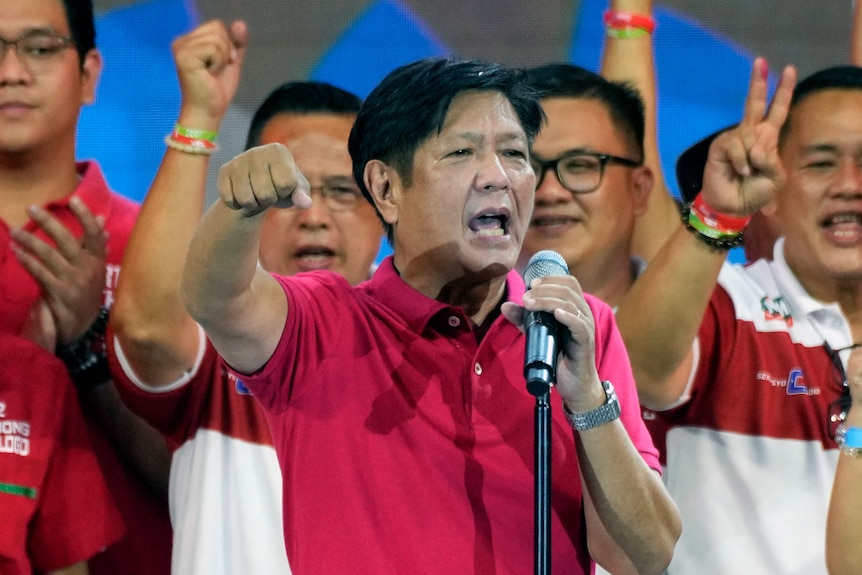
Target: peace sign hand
[{"x": 743, "y": 171}]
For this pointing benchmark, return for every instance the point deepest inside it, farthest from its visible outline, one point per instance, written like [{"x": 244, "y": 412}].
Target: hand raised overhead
[
  {"x": 263, "y": 177},
  {"x": 209, "y": 60},
  {"x": 743, "y": 171}
]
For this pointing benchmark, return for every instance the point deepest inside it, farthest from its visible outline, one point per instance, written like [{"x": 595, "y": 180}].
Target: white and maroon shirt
[
  {"x": 749, "y": 458},
  {"x": 225, "y": 486}
]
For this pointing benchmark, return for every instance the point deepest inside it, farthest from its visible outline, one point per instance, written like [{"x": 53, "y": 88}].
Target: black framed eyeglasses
[
  {"x": 580, "y": 172},
  {"x": 36, "y": 50},
  {"x": 838, "y": 409}
]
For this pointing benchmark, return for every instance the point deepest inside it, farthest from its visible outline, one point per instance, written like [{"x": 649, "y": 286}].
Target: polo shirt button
[
  {"x": 478, "y": 368},
  {"x": 454, "y": 321}
]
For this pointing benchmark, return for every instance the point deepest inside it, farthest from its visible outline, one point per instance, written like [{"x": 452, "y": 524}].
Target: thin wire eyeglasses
[
  {"x": 837, "y": 415},
  {"x": 36, "y": 50},
  {"x": 579, "y": 172},
  {"x": 338, "y": 198}
]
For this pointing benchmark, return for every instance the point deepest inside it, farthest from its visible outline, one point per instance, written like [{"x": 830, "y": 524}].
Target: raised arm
[
  {"x": 155, "y": 332},
  {"x": 843, "y": 552},
  {"x": 660, "y": 315},
  {"x": 631, "y": 59},
  {"x": 242, "y": 308}
]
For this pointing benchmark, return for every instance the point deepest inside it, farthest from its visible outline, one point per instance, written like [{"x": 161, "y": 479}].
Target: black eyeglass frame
[{"x": 541, "y": 168}]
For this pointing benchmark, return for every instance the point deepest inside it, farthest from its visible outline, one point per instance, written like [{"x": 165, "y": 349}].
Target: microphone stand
[{"x": 542, "y": 532}]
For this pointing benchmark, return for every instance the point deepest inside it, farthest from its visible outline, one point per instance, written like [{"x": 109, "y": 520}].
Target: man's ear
[
  {"x": 642, "y": 182},
  {"x": 91, "y": 70},
  {"x": 383, "y": 184}
]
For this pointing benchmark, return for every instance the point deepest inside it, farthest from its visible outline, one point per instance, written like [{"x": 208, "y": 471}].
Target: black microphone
[{"x": 540, "y": 360}]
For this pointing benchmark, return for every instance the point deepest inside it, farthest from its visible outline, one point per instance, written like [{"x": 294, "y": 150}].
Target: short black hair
[
  {"x": 411, "y": 102},
  {"x": 82, "y": 25},
  {"x": 691, "y": 164},
  {"x": 301, "y": 98},
  {"x": 622, "y": 100},
  {"x": 834, "y": 78}
]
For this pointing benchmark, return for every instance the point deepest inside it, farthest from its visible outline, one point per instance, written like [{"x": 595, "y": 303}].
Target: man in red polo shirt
[
  {"x": 59, "y": 270},
  {"x": 399, "y": 412}
]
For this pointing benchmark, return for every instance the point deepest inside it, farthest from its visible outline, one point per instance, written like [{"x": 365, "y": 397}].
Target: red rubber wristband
[
  {"x": 717, "y": 220},
  {"x": 617, "y": 20}
]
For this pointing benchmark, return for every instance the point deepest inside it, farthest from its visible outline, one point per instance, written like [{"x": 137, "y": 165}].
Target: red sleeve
[
  {"x": 176, "y": 411},
  {"x": 612, "y": 361}
]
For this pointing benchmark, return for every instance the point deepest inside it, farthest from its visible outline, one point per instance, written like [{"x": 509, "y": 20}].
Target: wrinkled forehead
[{"x": 481, "y": 115}]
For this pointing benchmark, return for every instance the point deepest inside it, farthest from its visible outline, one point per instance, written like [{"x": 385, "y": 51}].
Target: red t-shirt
[
  {"x": 406, "y": 446},
  {"x": 56, "y": 507},
  {"x": 146, "y": 549}
]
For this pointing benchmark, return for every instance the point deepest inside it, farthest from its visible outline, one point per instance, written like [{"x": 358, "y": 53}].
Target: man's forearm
[
  {"x": 221, "y": 264},
  {"x": 660, "y": 315},
  {"x": 632, "y": 523}
]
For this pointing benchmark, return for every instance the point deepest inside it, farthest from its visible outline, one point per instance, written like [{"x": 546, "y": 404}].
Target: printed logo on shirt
[
  {"x": 776, "y": 310},
  {"x": 14, "y": 435},
  {"x": 112, "y": 275},
  {"x": 239, "y": 386},
  {"x": 794, "y": 384}
]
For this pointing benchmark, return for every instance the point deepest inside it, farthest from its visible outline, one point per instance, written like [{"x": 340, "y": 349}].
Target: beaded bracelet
[{"x": 86, "y": 357}]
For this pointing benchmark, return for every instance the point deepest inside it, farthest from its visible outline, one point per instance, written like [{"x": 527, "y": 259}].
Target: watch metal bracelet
[{"x": 605, "y": 413}]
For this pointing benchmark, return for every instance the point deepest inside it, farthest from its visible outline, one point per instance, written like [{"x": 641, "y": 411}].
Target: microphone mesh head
[{"x": 545, "y": 263}]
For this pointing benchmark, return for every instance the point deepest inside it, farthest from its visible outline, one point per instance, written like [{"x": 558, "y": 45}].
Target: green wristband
[
  {"x": 195, "y": 134},
  {"x": 625, "y": 33}
]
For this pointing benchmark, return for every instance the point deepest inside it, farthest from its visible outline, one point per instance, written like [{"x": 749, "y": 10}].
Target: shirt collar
[
  {"x": 825, "y": 317},
  {"x": 418, "y": 309},
  {"x": 92, "y": 187}
]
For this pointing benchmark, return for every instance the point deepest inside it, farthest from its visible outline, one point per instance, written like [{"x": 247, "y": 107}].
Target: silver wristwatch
[{"x": 605, "y": 413}]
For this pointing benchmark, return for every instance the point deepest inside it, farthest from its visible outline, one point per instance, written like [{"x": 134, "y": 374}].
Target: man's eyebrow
[
  {"x": 480, "y": 138},
  {"x": 47, "y": 29},
  {"x": 338, "y": 178}
]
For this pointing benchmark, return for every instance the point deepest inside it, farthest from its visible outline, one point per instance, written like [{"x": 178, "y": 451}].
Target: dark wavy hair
[{"x": 411, "y": 102}]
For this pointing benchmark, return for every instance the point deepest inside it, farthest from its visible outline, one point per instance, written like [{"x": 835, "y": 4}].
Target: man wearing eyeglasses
[
  {"x": 592, "y": 181},
  {"x": 58, "y": 269}
]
